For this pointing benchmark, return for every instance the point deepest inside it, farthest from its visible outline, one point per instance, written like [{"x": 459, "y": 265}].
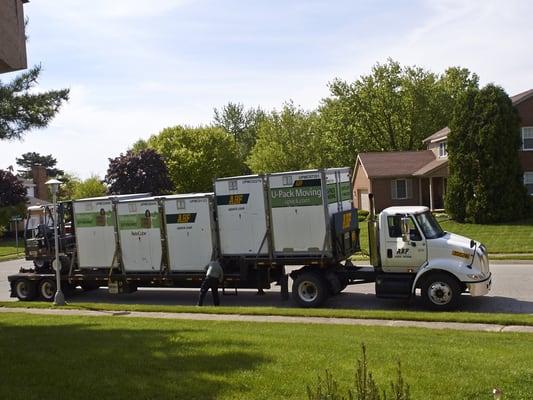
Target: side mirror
[{"x": 405, "y": 228}]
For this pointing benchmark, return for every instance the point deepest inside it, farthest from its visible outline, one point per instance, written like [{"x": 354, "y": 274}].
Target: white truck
[{"x": 256, "y": 225}]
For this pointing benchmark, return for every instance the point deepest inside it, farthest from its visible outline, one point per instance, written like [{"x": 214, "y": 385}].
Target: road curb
[{"x": 462, "y": 326}]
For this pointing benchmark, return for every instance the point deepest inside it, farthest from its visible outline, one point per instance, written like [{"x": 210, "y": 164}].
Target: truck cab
[{"x": 412, "y": 251}]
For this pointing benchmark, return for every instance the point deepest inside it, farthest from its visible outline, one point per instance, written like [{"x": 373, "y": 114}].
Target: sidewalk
[{"x": 276, "y": 319}]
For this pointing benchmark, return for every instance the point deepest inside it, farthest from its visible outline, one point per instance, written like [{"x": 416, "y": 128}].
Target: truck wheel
[
  {"x": 25, "y": 290},
  {"x": 47, "y": 289},
  {"x": 441, "y": 292},
  {"x": 309, "y": 290}
]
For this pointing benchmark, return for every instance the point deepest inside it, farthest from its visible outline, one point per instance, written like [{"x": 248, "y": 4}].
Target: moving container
[
  {"x": 94, "y": 226},
  {"x": 191, "y": 231},
  {"x": 281, "y": 215},
  {"x": 139, "y": 227}
]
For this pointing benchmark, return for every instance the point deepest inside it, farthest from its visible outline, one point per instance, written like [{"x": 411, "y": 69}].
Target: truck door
[{"x": 397, "y": 255}]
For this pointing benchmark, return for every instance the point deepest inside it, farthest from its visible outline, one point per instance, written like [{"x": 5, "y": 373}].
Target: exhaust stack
[{"x": 373, "y": 234}]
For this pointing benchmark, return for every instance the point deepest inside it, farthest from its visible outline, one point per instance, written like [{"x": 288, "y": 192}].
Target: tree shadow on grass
[{"x": 120, "y": 360}]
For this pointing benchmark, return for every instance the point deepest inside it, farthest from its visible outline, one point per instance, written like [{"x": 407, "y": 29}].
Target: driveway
[{"x": 511, "y": 293}]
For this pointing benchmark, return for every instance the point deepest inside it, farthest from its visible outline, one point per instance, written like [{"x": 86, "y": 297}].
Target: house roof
[
  {"x": 432, "y": 166},
  {"x": 520, "y": 97},
  {"x": 394, "y": 163},
  {"x": 439, "y": 135}
]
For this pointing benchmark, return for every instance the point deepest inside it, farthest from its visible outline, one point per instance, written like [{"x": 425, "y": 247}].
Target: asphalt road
[{"x": 512, "y": 292}]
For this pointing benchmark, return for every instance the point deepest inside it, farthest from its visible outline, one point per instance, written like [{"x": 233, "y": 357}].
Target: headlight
[{"x": 475, "y": 277}]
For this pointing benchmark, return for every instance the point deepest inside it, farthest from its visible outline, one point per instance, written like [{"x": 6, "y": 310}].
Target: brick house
[{"x": 405, "y": 178}]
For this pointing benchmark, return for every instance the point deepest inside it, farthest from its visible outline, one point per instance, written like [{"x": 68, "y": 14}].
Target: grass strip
[
  {"x": 457, "y": 316},
  {"x": 118, "y": 358}
]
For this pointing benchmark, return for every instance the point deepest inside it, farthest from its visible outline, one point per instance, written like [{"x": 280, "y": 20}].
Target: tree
[
  {"x": 139, "y": 145},
  {"x": 485, "y": 183},
  {"x": 21, "y": 109},
  {"x": 195, "y": 156},
  {"x": 12, "y": 197},
  {"x": 241, "y": 123},
  {"x": 393, "y": 108},
  {"x": 31, "y": 159},
  {"x": 67, "y": 189},
  {"x": 138, "y": 172},
  {"x": 287, "y": 140},
  {"x": 90, "y": 187}
]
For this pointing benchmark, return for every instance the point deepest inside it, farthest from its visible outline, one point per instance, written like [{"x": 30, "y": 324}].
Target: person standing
[{"x": 213, "y": 277}]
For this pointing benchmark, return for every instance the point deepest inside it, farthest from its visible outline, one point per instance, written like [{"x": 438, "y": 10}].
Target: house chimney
[{"x": 40, "y": 176}]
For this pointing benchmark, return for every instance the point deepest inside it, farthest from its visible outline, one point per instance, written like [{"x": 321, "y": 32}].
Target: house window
[
  {"x": 401, "y": 189},
  {"x": 443, "y": 151},
  {"x": 528, "y": 181},
  {"x": 527, "y": 138}
]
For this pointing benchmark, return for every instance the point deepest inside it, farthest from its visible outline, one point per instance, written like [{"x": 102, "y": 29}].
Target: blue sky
[{"x": 135, "y": 67}]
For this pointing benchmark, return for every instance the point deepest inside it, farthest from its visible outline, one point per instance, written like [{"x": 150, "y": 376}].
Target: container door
[
  {"x": 140, "y": 235},
  {"x": 242, "y": 216},
  {"x": 189, "y": 232},
  {"x": 298, "y": 214},
  {"x": 95, "y": 233}
]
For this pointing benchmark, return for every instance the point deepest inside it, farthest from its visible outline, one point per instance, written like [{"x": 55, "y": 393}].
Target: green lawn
[
  {"x": 8, "y": 249},
  {"x": 498, "y": 238},
  {"x": 65, "y": 357},
  {"x": 405, "y": 315}
]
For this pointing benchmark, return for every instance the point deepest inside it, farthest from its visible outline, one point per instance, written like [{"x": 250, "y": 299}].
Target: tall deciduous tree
[
  {"x": 392, "y": 108},
  {"x": 90, "y": 187},
  {"x": 138, "y": 172},
  {"x": 241, "y": 123},
  {"x": 485, "y": 183},
  {"x": 287, "y": 140},
  {"x": 30, "y": 159},
  {"x": 195, "y": 156},
  {"x": 21, "y": 109}
]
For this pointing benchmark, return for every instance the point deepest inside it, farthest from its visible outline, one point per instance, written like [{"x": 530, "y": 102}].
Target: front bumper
[{"x": 480, "y": 288}]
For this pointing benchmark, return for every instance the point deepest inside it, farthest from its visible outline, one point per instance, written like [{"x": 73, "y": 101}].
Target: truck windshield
[{"x": 429, "y": 225}]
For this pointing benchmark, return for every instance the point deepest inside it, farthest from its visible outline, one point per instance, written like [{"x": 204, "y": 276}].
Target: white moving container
[
  {"x": 94, "y": 225},
  {"x": 242, "y": 215},
  {"x": 139, "y": 226},
  {"x": 300, "y": 220},
  {"x": 190, "y": 230}
]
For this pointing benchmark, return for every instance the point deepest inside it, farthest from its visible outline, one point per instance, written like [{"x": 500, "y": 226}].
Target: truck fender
[{"x": 451, "y": 267}]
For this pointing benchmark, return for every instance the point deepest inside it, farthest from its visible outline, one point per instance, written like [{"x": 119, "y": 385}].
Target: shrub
[{"x": 365, "y": 387}]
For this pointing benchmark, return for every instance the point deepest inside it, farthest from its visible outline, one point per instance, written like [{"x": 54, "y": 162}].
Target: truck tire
[
  {"x": 309, "y": 289},
  {"x": 47, "y": 289},
  {"x": 440, "y": 291},
  {"x": 24, "y": 289}
]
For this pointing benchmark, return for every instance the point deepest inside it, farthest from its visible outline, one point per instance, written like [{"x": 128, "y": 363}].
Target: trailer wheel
[
  {"x": 309, "y": 290},
  {"x": 441, "y": 292},
  {"x": 47, "y": 289},
  {"x": 25, "y": 290}
]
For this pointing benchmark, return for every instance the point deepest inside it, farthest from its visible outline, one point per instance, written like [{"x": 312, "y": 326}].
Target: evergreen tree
[
  {"x": 21, "y": 109},
  {"x": 485, "y": 183},
  {"x": 31, "y": 159}
]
